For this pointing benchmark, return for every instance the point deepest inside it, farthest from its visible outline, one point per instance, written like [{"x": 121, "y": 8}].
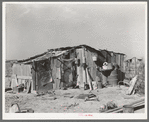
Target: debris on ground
[
  {"x": 82, "y": 96},
  {"x": 29, "y": 110},
  {"x": 103, "y": 108},
  {"x": 72, "y": 105},
  {"x": 111, "y": 105},
  {"x": 69, "y": 96},
  {"x": 65, "y": 88},
  {"x": 128, "y": 97},
  {"x": 48, "y": 98},
  {"x": 8, "y": 89},
  {"x": 14, "y": 108},
  {"x": 108, "y": 106},
  {"x": 51, "y": 92},
  {"x": 76, "y": 87},
  {"x": 91, "y": 99},
  {"x": 11, "y": 91},
  {"x": 91, "y": 95},
  {"x": 40, "y": 94},
  {"x": 43, "y": 103}
]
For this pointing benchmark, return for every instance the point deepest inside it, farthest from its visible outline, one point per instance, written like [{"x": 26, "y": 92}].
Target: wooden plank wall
[
  {"x": 132, "y": 66},
  {"x": 80, "y": 68},
  {"x": 122, "y": 75},
  {"x": 113, "y": 57},
  {"x": 90, "y": 63},
  {"x": 118, "y": 59}
]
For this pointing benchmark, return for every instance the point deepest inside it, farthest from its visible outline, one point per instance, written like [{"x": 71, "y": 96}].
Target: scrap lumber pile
[
  {"x": 120, "y": 109},
  {"x": 110, "y": 105},
  {"x": 16, "y": 109},
  {"x": 137, "y": 84},
  {"x": 140, "y": 83},
  {"x": 131, "y": 89},
  {"x": 135, "y": 67}
]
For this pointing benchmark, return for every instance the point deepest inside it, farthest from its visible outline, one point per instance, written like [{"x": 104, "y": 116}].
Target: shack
[
  {"x": 63, "y": 67},
  {"x": 132, "y": 67}
]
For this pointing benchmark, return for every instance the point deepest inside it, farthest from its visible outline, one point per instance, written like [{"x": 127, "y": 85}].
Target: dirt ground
[{"x": 67, "y": 101}]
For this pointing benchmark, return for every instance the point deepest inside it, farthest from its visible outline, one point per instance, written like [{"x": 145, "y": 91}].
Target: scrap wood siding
[
  {"x": 60, "y": 67},
  {"x": 132, "y": 67},
  {"x": 120, "y": 62},
  {"x": 22, "y": 74}
]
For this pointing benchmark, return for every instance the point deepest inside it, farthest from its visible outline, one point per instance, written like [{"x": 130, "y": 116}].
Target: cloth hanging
[
  {"x": 21, "y": 70},
  {"x": 14, "y": 83},
  {"x": 29, "y": 82}
]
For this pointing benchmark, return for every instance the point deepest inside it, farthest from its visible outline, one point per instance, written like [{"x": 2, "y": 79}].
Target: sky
[{"x": 31, "y": 29}]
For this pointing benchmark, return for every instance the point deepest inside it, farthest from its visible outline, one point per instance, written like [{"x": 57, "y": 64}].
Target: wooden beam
[
  {"x": 135, "y": 106},
  {"x": 133, "y": 82},
  {"x": 135, "y": 103},
  {"x": 88, "y": 79},
  {"x": 24, "y": 77}
]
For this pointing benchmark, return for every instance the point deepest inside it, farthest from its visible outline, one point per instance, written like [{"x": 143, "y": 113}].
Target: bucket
[
  {"x": 113, "y": 78},
  {"x": 86, "y": 87},
  {"x": 105, "y": 67},
  {"x": 128, "y": 109},
  {"x": 104, "y": 78}
]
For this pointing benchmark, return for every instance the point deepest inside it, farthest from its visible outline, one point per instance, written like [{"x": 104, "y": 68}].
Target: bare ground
[{"x": 65, "y": 104}]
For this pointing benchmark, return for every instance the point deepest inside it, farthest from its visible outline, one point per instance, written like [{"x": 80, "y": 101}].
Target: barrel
[
  {"x": 128, "y": 109},
  {"x": 104, "y": 78},
  {"x": 113, "y": 78},
  {"x": 99, "y": 85}
]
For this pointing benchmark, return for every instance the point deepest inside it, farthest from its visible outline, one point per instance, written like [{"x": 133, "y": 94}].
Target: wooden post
[
  {"x": 78, "y": 79},
  {"x": 88, "y": 79},
  {"x": 131, "y": 88},
  {"x": 36, "y": 77},
  {"x": 84, "y": 69},
  {"x": 135, "y": 67}
]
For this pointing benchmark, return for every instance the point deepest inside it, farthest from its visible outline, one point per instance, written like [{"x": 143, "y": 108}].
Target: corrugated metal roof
[
  {"x": 55, "y": 51},
  {"x": 46, "y": 56}
]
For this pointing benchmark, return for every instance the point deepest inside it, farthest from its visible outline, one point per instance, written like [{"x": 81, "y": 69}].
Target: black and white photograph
[{"x": 74, "y": 60}]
